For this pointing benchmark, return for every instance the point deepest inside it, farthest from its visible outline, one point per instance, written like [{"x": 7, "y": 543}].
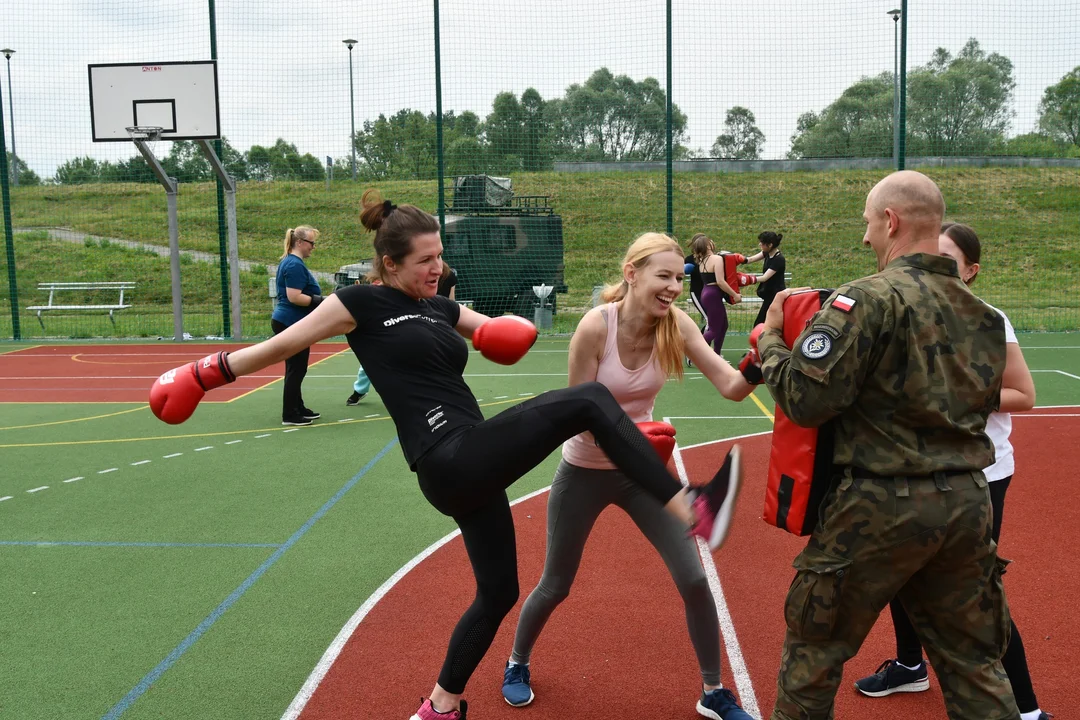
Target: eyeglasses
[{"x": 312, "y": 242}]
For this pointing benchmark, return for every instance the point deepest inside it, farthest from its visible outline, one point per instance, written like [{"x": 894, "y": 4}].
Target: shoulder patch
[
  {"x": 816, "y": 345},
  {"x": 843, "y": 302}
]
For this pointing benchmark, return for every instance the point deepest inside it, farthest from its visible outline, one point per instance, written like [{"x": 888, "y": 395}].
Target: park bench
[
  {"x": 54, "y": 288},
  {"x": 752, "y": 299}
]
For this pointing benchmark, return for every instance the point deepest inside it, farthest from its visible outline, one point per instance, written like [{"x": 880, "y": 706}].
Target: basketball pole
[
  {"x": 172, "y": 188},
  {"x": 229, "y": 185}
]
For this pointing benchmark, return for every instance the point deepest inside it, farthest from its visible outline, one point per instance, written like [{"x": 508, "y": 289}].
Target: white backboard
[{"x": 179, "y": 97}]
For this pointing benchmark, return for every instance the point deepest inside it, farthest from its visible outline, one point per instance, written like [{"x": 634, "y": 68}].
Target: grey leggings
[{"x": 578, "y": 496}]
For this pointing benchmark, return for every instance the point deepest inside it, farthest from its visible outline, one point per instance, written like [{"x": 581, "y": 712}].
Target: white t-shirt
[{"x": 999, "y": 427}]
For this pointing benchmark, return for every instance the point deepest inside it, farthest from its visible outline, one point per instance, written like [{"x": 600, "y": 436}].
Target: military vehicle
[{"x": 500, "y": 245}]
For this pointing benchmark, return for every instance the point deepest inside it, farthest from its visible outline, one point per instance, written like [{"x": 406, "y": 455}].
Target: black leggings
[
  {"x": 909, "y": 650},
  {"x": 292, "y": 399},
  {"x": 466, "y": 477},
  {"x": 766, "y": 301}
]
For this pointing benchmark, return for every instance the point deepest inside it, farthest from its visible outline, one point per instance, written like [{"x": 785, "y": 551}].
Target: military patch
[
  {"x": 843, "y": 302},
  {"x": 816, "y": 345}
]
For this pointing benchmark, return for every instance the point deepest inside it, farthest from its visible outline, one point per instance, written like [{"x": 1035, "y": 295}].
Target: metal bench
[
  {"x": 56, "y": 287},
  {"x": 754, "y": 299}
]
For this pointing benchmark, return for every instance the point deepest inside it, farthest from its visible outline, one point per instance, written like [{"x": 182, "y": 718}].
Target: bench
[
  {"x": 58, "y": 287},
  {"x": 754, "y": 299}
]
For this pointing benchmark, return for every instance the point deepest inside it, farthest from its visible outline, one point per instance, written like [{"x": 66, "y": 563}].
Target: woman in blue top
[{"x": 298, "y": 293}]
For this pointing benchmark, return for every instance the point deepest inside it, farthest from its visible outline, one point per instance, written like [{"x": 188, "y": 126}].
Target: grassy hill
[{"x": 1029, "y": 220}]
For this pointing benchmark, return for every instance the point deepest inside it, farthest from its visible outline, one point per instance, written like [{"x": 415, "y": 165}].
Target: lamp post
[
  {"x": 896, "y": 91},
  {"x": 352, "y": 108},
  {"x": 8, "y": 52}
]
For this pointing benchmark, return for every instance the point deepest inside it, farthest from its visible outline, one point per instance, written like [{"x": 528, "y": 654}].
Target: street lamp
[
  {"x": 8, "y": 52},
  {"x": 896, "y": 91},
  {"x": 352, "y": 108}
]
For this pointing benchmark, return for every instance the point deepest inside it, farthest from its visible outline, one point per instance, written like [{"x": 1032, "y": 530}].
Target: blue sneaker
[
  {"x": 516, "y": 690},
  {"x": 720, "y": 704}
]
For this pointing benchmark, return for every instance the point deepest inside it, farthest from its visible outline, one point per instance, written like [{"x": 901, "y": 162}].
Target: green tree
[
  {"x": 742, "y": 139},
  {"x": 186, "y": 163},
  {"x": 25, "y": 174},
  {"x": 613, "y": 117},
  {"x": 401, "y": 146},
  {"x": 1059, "y": 110},
  {"x": 282, "y": 161},
  {"x": 959, "y": 105},
  {"x": 79, "y": 171},
  {"x": 857, "y": 124}
]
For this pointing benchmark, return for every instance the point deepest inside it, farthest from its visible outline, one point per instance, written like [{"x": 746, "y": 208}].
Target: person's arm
[
  {"x": 453, "y": 292},
  {"x": 587, "y": 347},
  {"x": 299, "y": 298},
  {"x": 766, "y": 275},
  {"x": 468, "y": 321},
  {"x": 729, "y": 381},
  {"x": 755, "y": 257},
  {"x": 330, "y": 318},
  {"x": 1017, "y": 385},
  {"x": 720, "y": 282}
]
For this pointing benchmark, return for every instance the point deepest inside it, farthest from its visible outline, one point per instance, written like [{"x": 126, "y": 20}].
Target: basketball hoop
[{"x": 144, "y": 132}]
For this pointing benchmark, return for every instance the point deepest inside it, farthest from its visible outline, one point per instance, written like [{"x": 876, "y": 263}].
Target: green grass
[
  {"x": 83, "y": 625},
  {"x": 1028, "y": 219}
]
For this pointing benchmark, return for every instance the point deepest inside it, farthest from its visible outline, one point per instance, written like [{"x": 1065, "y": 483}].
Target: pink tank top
[{"x": 635, "y": 391}]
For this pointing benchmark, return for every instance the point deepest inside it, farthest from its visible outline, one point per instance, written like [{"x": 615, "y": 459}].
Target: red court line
[
  {"x": 619, "y": 643},
  {"x": 117, "y": 373}
]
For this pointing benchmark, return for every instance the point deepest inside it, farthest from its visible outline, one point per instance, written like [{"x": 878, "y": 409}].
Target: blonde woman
[
  {"x": 631, "y": 345},
  {"x": 298, "y": 293}
]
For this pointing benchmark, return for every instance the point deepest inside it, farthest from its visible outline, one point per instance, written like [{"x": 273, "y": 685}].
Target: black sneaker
[
  {"x": 714, "y": 504},
  {"x": 355, "y": 398},
  {"x": 309, "y": 414},
  {"x": 295, "y": 420},
  {"x": 892, "y": 677}
]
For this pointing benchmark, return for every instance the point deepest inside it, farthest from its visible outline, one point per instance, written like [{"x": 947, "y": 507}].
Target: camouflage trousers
[{"x": 927, "y": 541}]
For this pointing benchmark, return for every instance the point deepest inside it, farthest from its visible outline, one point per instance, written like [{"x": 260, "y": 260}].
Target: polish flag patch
[{"x": 843, "y": 302}]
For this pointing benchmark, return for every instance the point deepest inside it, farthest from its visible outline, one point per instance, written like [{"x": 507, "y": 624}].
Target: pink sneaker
[
  {"x": 714, "y": 505},
  {"x": 426, "y": 712}
]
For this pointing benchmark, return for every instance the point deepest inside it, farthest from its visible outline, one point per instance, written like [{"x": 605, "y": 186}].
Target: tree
[
  {"x": 961, "y": 105},
  {"x": 401, "y": 146},
  {"x": 282, "y": 161},
  {"x": 78, "y": 171},
  {"x": 857, "y": 124},
  {"x": 17, "y": 167},
  {"x": 1059, "y": 110},
  {"x": 615, "y": 118},
  {"x": 743, "y": 139}
]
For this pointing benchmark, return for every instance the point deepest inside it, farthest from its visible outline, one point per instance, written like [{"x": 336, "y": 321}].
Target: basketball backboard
[{"x": 179, "y": 97}]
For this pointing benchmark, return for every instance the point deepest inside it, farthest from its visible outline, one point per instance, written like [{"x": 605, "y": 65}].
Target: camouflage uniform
[{"x": 906, "y": 364}]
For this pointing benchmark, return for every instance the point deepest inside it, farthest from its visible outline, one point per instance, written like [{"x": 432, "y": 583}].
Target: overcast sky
[{"x": 284, "y": 72}]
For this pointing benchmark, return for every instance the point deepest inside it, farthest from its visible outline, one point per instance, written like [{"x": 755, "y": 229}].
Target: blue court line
[
  {"x": 151, "y": 677},
  {"x": 90, "y": 543}
]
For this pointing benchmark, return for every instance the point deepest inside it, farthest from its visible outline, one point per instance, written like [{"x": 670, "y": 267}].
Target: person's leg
[
  {"x": 762, "y": 311},
  {"x": 291, "y": 404},
  {"x": 488, "y": 532},
  {"x": 908, "y": 647},
  {"x": 362, "y": 384},
  {"x": 720, "y": 317},
  {"x": 300, "y": 363},
  {"x": 957, "y": 604},
  {"x": 695, "y": 300},
  {"x": 577, "y": 497},
  {"x": 712, "y": 302},
  {"x": 679, "y": 552}
]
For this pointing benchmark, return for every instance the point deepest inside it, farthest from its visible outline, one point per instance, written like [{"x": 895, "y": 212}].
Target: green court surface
[{"x": 201, "y": 570}]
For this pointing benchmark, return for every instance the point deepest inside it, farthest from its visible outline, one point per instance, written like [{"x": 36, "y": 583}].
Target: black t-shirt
[
  {"x": 776, "y": 283},
  {"x": 696, "y": 283},
  {"x": 447, "y": 283},
  {"x": 415, "y": 359}
]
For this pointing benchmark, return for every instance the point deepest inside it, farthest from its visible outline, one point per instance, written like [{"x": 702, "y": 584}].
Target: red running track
[
  {"x": 117, "y": 373},
  {"x": 619, "y": 647}
]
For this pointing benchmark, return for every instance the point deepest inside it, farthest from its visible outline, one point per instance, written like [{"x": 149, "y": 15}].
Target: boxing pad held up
[{"x": 800, "y": 462}]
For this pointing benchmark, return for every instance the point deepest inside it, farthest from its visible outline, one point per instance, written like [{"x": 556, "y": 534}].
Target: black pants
[
  {"x": 909, "y": 650},
  {"x": 292, "y": 399},
  {"x": 766, "y": 301},
  {"x": 466, "y": 477}
]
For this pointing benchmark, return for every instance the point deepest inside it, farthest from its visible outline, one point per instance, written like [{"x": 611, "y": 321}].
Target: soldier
[{"x": 906, "y": 365}]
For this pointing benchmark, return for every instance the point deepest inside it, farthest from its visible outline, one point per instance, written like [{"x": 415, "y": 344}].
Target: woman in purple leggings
[{"x": 715, "y": 291}]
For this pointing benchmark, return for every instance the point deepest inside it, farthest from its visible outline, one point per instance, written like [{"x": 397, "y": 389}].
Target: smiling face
[
  {"x": 656, "y": 285},
  {"x": 417, "y": 275}
]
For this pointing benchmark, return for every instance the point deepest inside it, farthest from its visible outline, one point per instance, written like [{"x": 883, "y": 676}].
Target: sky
[{"x": 284, "y": 72}]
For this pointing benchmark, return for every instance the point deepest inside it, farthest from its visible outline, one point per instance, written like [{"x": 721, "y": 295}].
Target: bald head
[{"x": 912, "y": 196}]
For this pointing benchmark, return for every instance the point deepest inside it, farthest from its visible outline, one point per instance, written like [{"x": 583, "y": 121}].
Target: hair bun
[{"x": 373, "y": 209}]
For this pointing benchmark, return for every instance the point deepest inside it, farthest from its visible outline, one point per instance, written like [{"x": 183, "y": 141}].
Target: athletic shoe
[
  {"x": 309, "y": 414},
  {"x": 516, "y": 690},
  {"x": 714, "y": 503},
  {"x": 295, "y": 420},
  {"x": 355, "y": 399},
  {"x": 720, "y": 704},
  {"x": 892, "y": 677},
  {"x": 426, "y": 712}
]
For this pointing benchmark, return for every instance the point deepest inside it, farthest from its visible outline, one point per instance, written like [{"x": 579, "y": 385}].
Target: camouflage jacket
[{"x": 909, "y": 363}]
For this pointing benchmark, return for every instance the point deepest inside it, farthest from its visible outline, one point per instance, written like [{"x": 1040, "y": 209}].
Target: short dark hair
[
  {"x": 770, "y": 238},
  {"x": 965, "y": 239}
]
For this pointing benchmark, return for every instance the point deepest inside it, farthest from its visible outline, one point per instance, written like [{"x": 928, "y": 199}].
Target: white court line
[
  {"x": 727, "y": 626},
  {"x": 1044, "y": 415},
  {"x": 141, "y": 462},
  {"x": 166, "y": 457},
  {"x": 208, "y": 447},
  {"x": 1059, "y": 372},
  {"x": 262, "y": 436},
  {"x": 332, "y": 652},
  {"x": 38, "y": 489},
  {"x": 291, "y": 430},
  {"x": 6, "y": 497},
  {"x": 233, "y": 442},
  {"x": 372, "y": 415},
  {"x": 501, "y": 397},
  {"x": 102, "y": 472},
  {"x": 74, "y": 479},
  {"x": 737, "y": 437}
]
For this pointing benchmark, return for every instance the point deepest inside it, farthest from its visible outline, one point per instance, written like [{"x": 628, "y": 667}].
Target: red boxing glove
[
  {"x": 504, "y": 339},
  {"x": 175, "y": 395},
  {"x": 750, "y": 365},
  {"x": 740, "y": 258},
  {"x": 661, "y": 436},
  {"x": 746, "y": 279}
]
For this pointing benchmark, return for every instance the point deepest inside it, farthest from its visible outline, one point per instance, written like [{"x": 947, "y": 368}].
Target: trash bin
[{"x": 542, "y": 317}]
